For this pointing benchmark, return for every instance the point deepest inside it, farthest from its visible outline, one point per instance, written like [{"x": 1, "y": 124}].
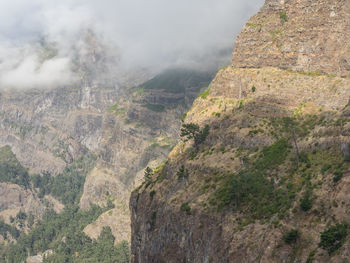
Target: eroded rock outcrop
[{"x": 300, "y": 35}]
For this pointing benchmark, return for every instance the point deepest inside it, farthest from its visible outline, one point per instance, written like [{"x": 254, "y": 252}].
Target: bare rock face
[
  {"x": 39, "y": 258},
  {"x": 118, "y": 219},
  {"x": 300, "y": 35},
  {"x": 14, "y": 198}
]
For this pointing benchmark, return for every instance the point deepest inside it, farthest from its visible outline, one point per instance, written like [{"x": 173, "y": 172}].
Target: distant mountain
[{"x": 71, "y": 155}]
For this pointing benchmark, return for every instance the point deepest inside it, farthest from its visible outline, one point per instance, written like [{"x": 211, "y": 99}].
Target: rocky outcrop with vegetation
[{"x": 270, "y": 180}]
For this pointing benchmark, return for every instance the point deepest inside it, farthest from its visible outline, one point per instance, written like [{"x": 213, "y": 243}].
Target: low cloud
[
  {"x": 31, "y": 73},
  {"x": 40, "y": 39}
]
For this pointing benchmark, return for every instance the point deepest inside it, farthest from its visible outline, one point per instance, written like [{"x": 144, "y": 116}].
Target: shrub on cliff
[
  {"x": 193, "y": 131},
  {"x": 334, "y": 237},
  {"x": 182, "y": 173},
  {"x": 185, "y": 207},
  {"x": 291, "y": 236},
  {"x": 306, "y": 201}
]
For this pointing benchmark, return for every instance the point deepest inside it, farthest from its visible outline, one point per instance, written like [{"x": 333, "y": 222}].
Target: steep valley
[
  {"x": 250, "y": 164},
  {"x": 83, "y": 148}
]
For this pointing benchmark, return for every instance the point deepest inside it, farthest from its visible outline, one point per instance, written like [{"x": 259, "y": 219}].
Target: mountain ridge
[{"x": 270, "y": 182}]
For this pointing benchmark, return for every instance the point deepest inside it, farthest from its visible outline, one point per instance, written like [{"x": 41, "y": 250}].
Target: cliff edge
[{"x": 270, "y": 181}]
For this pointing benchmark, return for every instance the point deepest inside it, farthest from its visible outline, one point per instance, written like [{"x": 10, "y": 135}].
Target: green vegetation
[
  {"x": 240, "y": 104},
  {"x": 193, "y": 131},
  {"x": 11, "y": 171},
  {"x": 334, "y": 164},
  {"x": 64, "y": 234},
  {"x": 251, "y": 191},
  {"x": 306, "y": 201},
  {"x": 252, "y": 25},
  {"x": 160, "y": 167},
  {"x": 67, "y": 186},
  {"x": 24, "y": 130},
  {"x": 192, "y": 152},
  {"x": 272, "y": 177},
  {"x": 291, "y": 236},
  {"x": 21, "y": 215},
  {"x": 117, "y": 110},
  {"x": 256, "y": 131},
  {"x": 316, "y": 73},
  {"x": 182, "y": 173},
  {"x": 204, "y": 94},
  {"x": 347, "y": 155},
  {"x": 178, "y": 80},
  {"x": 283, "y": 16},
  {"x": 334, "y": 237},
  {"x": 185, "y": 207},
  {"x": 152, "y": 194},
  {"x": 273, "y": 156},
  {"x": 253, "y": 89},
  {"x": 338, "y": 175},
  {"x": 154, "y": 107},
  {"x": 5, "y": 229},
  {"x": 148, "y": 174},
  {"x": 311, "y": 256},
  {"x": 153, "y": 219},
  {"x": 102, "y": 250},
  {"x": 140, "y": 91}
]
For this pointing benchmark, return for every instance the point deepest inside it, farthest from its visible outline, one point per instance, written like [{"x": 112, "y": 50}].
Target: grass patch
[
  {"x": 116, "y": 110},
  {"x": 204, "y": 94},
  {"x": 283, "y": 16}
]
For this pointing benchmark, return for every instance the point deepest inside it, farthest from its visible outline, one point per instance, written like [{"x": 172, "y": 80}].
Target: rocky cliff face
[
  {"x": 270, "y": 183},
  {"x": 301, "y": 35}
]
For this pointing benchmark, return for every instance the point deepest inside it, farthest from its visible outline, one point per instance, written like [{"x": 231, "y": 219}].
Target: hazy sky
[{"x": 145, "y": 33}]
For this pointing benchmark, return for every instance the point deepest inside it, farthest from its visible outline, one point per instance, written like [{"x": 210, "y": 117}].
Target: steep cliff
[
  {"x": 298, "y": 35},
  {"x": 270, "y": 182}
]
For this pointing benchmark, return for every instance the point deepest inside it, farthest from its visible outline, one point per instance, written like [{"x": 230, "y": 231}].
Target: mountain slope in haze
[
  {"x": 84, "y": 147},
  {"x": 270, "y": 181}
]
